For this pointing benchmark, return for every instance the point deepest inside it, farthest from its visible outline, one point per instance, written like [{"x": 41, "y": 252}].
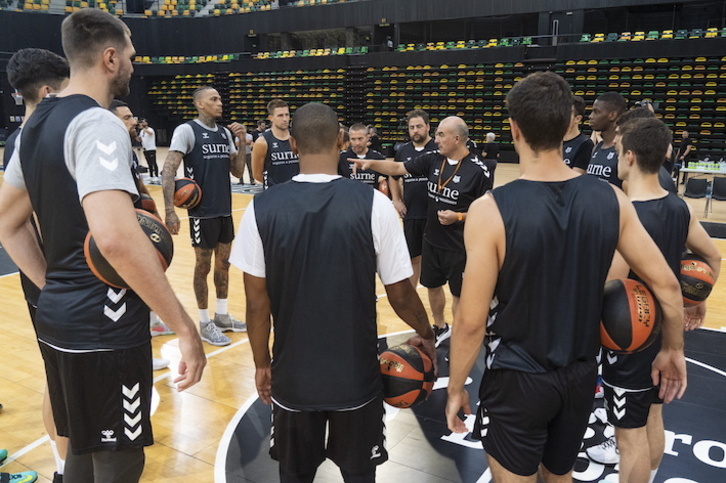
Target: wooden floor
[{"x": 188, "y": 426}]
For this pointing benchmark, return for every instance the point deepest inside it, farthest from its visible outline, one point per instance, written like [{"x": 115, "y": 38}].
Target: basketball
[
  {"x": 147, "y": 203},
  {"x": 631, "y": 316},
  {"x": 696, "y": 279},
  {"x": 408, "y": 375},
  {"x": 159, "y": 236},
  {"x": 187, "y": 193}
]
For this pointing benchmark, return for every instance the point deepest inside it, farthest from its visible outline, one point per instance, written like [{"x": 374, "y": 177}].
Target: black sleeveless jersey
[
  {"x": 31, "y": 291},
  {"x": 666, "y": 220},
  {"x": 324, "y": 353},
  {"x": 450, "y": 188},
  {"x": 366, "y": 176},
  {"x": 415, "y": 190},
  {"x": 604, "y": 165},
  {"x": 208, "y": 164},
  {"x": 560, "y": 240},
  {"x": 577, "y": 152},
  {"x": 76, "y": 310},
  {"x": 666, "y": 182},
  {"x": 281, "y": 164}
]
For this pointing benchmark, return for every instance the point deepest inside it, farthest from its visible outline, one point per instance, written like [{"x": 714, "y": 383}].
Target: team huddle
[{"x": 310, "y": 247}]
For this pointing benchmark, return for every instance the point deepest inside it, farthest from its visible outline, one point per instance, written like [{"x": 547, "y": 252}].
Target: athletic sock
[
  {"x": 60, "y": 463},
  {"x": 221, "y": 306},
  {"x": 204, "y": 315}
]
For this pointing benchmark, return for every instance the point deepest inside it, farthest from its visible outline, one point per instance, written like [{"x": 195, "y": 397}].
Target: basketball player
[
  {"x": 273, "y": 161},
  {"x": 71, "y": 168},
  {"x": 550, "y": 232},
  {"x": 358, "y": 148},
  {"x": 577, "y": 148},
  {"x": 455, "y": 179},
  {"x": 410, "y": 197},
  {"x": 209, "y": 155},
  {"x": 632, "y": 401},
  {"x": 123, "y": 111},
  {"x": 36, "y": 74},
  {"x": 604, "y": 160},
  {"x": 324, "y": 369}
]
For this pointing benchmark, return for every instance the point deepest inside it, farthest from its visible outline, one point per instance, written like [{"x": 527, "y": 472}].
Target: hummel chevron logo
[
  {"x": 106, "y": 148},
  {"x": 109, "y": 165},
  {"x": 131, "y": 422},
  {"x": 115, "y": 297},
  {"x": 132, "y": 435},
  {"x": 114, "y": 314},
  {"x": 131, "y": 407},
  {"x": 619, "y": 391},
  {"x": 613, "y": 359},
  {"x": 619, "y": 402},
  {"x": 130, "y": 392},
  {"x": 619, "y": 414}
]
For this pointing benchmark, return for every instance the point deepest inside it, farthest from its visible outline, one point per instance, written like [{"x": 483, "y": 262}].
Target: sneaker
[
  {"x": 157, "y": 327},
  {"x": 211, "y": 334},
  {"x": 226, "y": 322},
  {"x": 57, "y": 478},
  {"x": 159, "y": 364},
  {"x": 441, "y": 334},
  {"x": 606, "y": 453},
  {"x": 24, "y": 477},
  {"x": 3, "y": 455}
]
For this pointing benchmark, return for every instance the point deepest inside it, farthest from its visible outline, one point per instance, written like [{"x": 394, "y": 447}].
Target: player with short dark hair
[
  {"x": 577, "y": 148},
  {"x": 36, "y": 74},
  {"x": 71, "y": 168},
  {"x": 273, "y": 160},
  {"x": 604, "y": 160},
  {"x": 456, "y": 178},
  {"x": 209, "y": 155},
  {"x": 409, "y": 193},
  {"x": 359, "y": 139},
  {"x": 312, "y": 266},
  {"x": 552, "y": 231},
  {"x": 631, "y": 398}
]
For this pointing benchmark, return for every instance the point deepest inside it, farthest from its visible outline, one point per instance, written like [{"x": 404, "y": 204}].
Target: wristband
[{"x": 461, "y": 216}]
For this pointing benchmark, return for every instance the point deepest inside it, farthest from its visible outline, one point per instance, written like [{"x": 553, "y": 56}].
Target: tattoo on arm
[{"x": 171, "y": 165}]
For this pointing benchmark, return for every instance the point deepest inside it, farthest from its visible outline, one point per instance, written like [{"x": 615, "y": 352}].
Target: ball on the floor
[
  {"x": 158, "y": 235},
  {"x": 696, "y": 279},
  {"x": 408, "y": 375},
  {"x": 631, "y": 316},
  {"x": 187, "y": 193}
]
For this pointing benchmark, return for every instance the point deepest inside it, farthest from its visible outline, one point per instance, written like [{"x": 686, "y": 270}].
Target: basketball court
[{"x": 219, "y": 430}]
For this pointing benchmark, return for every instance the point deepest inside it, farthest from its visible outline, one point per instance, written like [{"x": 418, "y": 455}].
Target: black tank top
[
  {"x": 604, "y": 165},
  {"x": 281, "y": 164},
  {"x": 208, "y": 165},
  {"x": 324, "y": 354},
  {"x": 666, "y": 220},
  {"x": 75, "y": 310},
  {"x": 560, "y": 239}
]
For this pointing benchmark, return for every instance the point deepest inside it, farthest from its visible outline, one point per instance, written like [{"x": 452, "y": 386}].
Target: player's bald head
[{"x": 315, "y": 129}]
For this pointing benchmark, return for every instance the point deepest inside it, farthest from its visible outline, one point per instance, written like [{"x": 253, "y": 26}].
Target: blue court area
[{"x": 422, "y": 450}]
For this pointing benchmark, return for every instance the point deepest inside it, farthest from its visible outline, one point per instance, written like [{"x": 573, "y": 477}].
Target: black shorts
[
  {"x": 629, "y": 409},
  {"x": 210, "y": 232},
  {"x": 355, "y": 438},
  {"x": 439, "y": 266},
  {"x": 526, "y": 419},
  {"x": 414, "y": 230},
  {"x": 101, "y": 400}
]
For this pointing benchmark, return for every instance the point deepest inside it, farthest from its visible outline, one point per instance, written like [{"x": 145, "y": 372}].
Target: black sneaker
[
  {"x": 57, "y": 478},
  {"x": 441, "y": 334}
]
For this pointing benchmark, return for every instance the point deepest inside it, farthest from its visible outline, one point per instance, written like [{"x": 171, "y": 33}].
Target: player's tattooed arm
[{"x": 171, "y": 165}]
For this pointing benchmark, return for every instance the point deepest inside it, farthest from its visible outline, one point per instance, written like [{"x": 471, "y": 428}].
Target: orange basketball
[
  {"x": 631, "y": 316},
  {"x": 147, "y": 203},
  {"x": 696, "y": 279},
  {"x": 408, "y": 375},
  {"x": 159, "y": 236},
  {"x": 187, "y": 193}
]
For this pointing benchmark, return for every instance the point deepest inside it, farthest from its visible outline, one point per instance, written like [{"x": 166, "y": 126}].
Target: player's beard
[
  {"x": 120, "y": 84},
  {"x": 418, "y": 138}
]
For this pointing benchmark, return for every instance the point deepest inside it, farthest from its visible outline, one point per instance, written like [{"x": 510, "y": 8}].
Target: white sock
[
  {"x": 60, "y": 463},
  {"x": 204, "y": 315},
  {"x": 221, "y": 306},
  {"x": 652, "y": 475}
]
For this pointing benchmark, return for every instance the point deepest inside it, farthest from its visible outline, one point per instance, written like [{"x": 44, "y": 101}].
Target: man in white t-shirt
[
  {"x": 245, "y": 139},
  {"x": 147, "y": 136}
]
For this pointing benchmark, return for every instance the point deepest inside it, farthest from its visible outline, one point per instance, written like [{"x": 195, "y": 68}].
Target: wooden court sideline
[{"x": 187, "y": 426}]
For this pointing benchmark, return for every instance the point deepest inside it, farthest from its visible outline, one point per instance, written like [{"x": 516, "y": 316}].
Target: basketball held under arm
[
  {"x": 259, "y": 152},
  {"x": 700, "y": 243}
]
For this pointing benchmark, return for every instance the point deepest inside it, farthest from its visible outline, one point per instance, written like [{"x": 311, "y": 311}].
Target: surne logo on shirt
[
  {"x": 215, "y": 148},
  {"x": 446, "y": 195},
  {"x": 600, "y": 170}
]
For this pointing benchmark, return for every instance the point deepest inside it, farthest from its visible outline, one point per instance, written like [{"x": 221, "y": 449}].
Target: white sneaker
[
  {"x": 605, "y": 453},
  {"x": 211, "y": 334},
  {"x": 159, "y": 364},
  {"x": 157, "y": 327},
  {"x": 226, "y": 322},
  {"x": 441, "y": 334}
]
